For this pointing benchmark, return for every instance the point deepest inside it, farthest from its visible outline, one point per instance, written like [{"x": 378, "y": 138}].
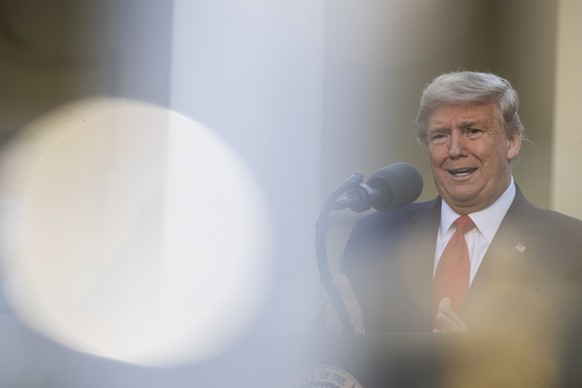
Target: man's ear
[{"x": 513, "y": 146}]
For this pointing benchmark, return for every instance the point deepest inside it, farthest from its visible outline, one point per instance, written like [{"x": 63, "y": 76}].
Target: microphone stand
[{"x": 322, "y": 227}]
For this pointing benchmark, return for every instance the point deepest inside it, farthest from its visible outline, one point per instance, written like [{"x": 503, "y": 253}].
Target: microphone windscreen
[{"x": 398, "y": 184}]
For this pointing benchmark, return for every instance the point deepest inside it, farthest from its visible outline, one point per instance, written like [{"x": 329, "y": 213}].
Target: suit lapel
[{"x": 504, "y": 261}]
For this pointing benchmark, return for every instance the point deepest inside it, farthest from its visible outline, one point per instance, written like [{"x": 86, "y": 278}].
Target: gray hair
[{"x": 466, "y": 88}]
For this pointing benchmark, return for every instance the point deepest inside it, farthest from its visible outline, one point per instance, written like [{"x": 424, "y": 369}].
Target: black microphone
[{"x": 387, "y": 189}]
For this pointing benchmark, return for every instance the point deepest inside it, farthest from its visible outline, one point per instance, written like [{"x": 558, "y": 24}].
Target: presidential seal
[{"x": 321, "y": 376}]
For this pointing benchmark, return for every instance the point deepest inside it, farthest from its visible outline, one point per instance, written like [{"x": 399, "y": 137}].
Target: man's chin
[{"x": 462, "y": 203}]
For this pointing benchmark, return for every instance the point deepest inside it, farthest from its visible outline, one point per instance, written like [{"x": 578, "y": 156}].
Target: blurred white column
[
  {"x": 251, "y": 71},
  {"x": 567, "y": 147}
]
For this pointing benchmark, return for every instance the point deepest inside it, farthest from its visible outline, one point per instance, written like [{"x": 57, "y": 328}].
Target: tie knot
[{"x": 464, "y": 223}]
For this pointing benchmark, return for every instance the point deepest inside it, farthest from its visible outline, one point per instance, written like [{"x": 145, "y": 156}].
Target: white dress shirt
[{"x": 486, "y": 222}]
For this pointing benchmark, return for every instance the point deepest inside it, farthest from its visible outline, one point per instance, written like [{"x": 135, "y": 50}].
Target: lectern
[{"x": 406, "y": 360}]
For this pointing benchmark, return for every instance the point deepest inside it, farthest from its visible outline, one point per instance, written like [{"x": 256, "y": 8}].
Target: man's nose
[{"x": 456, "y": 145}]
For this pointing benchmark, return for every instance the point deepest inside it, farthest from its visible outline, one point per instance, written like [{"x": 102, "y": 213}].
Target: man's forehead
[{"x": 462, "y": 114}]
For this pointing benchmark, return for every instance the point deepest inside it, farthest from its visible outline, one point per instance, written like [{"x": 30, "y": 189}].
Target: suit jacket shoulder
[
  {"x": 379, "y": 228},
  {"x": 539, "y": 237}
]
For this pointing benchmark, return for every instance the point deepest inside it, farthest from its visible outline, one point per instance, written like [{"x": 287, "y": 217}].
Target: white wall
[{"x": 567, "y": 149}]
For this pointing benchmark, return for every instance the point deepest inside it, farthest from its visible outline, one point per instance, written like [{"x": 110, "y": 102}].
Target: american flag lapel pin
[{"x": 520, "y": 247}]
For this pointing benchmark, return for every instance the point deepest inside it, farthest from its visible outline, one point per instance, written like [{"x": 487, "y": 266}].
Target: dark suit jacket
[{"x": 527, "y": 293}]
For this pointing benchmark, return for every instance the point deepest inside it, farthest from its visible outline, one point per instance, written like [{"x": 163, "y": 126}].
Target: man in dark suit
[{"x": 518, "y": 276}]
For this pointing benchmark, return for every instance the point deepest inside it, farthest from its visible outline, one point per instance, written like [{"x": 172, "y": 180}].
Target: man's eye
[
  {"x": 474, "y": 131},
  {"x": 438, "y": 138}
]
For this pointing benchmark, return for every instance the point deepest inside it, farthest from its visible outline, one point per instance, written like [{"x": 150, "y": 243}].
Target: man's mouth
[{"x": 461, "y": 172}]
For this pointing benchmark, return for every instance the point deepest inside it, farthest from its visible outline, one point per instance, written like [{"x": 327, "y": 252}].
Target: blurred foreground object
[{"x": 133, "y": 233}]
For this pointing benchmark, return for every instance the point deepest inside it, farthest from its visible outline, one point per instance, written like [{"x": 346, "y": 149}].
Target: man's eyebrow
[
  {"x": 469, "y": 123},
  {"x": 444, "y": 125}
]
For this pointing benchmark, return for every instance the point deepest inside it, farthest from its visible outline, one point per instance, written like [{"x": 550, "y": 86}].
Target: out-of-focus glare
[{"x": 132, "y": 233}]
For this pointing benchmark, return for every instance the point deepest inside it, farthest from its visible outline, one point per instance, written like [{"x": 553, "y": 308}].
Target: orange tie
[{"x": 453, "y": 271}]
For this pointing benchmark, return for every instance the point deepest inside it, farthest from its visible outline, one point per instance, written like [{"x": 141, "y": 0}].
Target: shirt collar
[{"x": 486, "y": 220}]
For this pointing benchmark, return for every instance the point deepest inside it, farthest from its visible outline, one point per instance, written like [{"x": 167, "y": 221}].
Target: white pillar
[{"x": 567, "y": 148}]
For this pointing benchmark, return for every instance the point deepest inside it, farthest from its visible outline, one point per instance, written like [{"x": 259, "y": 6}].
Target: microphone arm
[
  {"x": 322, "y": 226},
  {"x": 359, "y": 197},
  {"x": 386, "y": 189}
]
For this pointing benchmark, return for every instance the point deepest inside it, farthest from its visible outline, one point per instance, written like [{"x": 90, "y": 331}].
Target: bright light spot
[{"x": 132, "y": 233}]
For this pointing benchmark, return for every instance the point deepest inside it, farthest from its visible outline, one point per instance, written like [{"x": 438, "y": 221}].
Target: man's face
[{"x": 470, "y": 155}]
